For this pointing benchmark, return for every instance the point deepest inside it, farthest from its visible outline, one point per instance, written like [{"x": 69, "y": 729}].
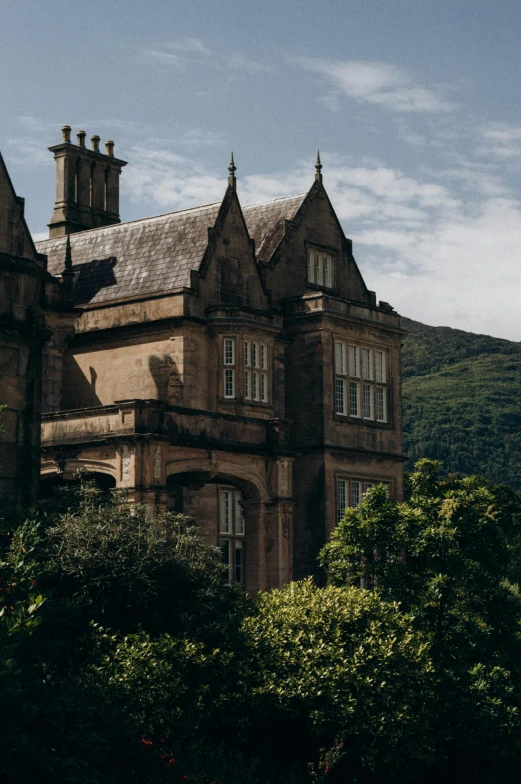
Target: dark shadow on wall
[
  {"x": 78, "y": 390},
  {"x": 167, "y": 379}
]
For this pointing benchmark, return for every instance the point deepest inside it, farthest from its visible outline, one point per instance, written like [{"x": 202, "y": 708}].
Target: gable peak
[
  {"x": 318, "y": 168},
  {"x": 232, "y": 168}
]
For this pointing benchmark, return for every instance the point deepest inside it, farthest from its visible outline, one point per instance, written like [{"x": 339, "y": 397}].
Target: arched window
[{"x": 232, "y": 532}]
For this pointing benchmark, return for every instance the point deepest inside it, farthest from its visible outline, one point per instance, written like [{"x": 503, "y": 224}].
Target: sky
[{"x": 414, "y": 105}]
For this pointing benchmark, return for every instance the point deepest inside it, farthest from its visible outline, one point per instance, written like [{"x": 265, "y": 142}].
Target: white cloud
[
  {"x": 378, "y": 83},
  {"x": 180, "y": 54},
  {"x": 501, "y": 140},
  {"x": 28, "y": 152}
]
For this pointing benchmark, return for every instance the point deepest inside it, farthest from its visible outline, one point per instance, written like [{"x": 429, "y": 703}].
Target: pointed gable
[
  {"x": 229, "y": 275},
  {"x": 313, "y": 227},
  {"x": 15, "y": 238}
]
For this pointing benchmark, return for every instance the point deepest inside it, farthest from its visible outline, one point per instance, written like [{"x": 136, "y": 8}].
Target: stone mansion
[{"x": 222, "y": 361}]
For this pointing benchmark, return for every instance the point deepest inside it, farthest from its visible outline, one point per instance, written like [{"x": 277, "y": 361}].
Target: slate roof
[
  {"x": 266, "y": 222},
  {"x": 154, "y": 255}
]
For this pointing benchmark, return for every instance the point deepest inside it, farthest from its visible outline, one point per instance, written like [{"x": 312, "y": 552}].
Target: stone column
[{"x": 277, "y": 527}]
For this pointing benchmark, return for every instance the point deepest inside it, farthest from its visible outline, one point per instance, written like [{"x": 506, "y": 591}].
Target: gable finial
[
  {"x": 232, "y": 168},
  {"x": 68, "y": 254},
  {"x": 318, "y": 168}
]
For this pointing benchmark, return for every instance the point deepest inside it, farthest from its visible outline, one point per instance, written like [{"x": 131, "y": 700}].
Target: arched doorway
[
  {"x": 50, "y": 483},
  {"x": 226, "y": 509}
]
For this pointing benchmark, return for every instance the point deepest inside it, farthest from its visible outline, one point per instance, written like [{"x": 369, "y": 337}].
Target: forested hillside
[{"x": 462, "y": 401}]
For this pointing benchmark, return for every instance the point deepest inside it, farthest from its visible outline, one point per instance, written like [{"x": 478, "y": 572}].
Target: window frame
[
  {"x": 229, "y": 364},
  {"x": 232, "y": 540},
  {"x": 318, "y": 259},
  {"x": 361, "y": 382},
  {"x": 249, "y": 364},
  {"x": 348, "y": 487}
]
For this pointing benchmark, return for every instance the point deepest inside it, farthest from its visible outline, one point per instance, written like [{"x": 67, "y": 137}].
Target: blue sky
[{"x": 414, "y": 105}]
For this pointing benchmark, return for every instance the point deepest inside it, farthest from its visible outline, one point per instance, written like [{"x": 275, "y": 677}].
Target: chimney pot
[
  {"x": 95, "y": 143},
  {"x": 66, "y": 133},
  {"x": 109, "y": 147},
  {"x": 81, "y": 138}
]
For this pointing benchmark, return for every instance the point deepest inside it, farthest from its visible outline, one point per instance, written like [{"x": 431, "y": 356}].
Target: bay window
[
  {"x": 360, "y": 381},
  {"x": 246, "y": 370}
]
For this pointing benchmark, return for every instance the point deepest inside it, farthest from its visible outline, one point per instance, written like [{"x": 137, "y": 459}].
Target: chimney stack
[{"x": 87, "y": 185}]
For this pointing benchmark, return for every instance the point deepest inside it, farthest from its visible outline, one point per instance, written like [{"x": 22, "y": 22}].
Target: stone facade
[
  {"x": 226, "y": 362},
  {"x": 35, "y": 309}
]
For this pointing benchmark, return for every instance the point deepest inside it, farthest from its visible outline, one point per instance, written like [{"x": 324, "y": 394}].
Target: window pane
[
  {"x": 255, "y": 385},
  {"x": 340, "y": 358},
  {"x": 381, "y": 404},
  {"x": 239, "y": 562},
  {"x": 340, "y": 403},
  {"x": 341, "y": 504},
  {"x": 229, "y": 383},
  {"x": 367, "y": 401},
  {"x": 264, "y": 387},
  {"x": 239, "y": 516},
  {"x": 247, "y": 353},
  {"x": 353, "y": 399},
  {"x": 255, "y": 354},
  {"x": 263, "y": 356},
  {"x": 225, "y": 512},
  {"x": 355, "y": 494},
  {"x": 366, "y": 363},
  {"x": 229, "y": 358},
  {"x": 247, "y": 384},
  {"x": 311, "y": 266},
  {"x": 320, "y": 269},
  {"x": 353, "y": 361},
  {"x": 328, "y": 278},
  {"x": 380, "y": 370}
]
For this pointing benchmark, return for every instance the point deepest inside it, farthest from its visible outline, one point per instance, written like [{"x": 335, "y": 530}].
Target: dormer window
[{"x": 320, "y": 268}]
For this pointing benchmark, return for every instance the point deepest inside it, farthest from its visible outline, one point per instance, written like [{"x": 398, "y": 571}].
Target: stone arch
[
  {"x": 68, "y": 467},
  {"x": 200, "y": 486},
  {"x": 248, "y": 476},
  {"x": 52, "y": 480}
]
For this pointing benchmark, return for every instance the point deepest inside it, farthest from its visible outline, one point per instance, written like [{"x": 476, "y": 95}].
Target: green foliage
[
  {"x": 133, "y": 569},
  {"x": 338, "y": 668},
  {"x": 125, "y": 657},
  {"x": 445, "y": 557},
  {"x": 67, "y": 713},
  {"x": 461, "y": 401}
]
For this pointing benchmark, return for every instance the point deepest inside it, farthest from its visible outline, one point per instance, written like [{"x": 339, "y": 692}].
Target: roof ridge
[
  {"x": 136, "y": 220},
  {"x": 271, "y": 201}
]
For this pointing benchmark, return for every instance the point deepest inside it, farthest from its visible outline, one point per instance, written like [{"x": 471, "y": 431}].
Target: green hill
[{"x": 462, "y": 401}]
